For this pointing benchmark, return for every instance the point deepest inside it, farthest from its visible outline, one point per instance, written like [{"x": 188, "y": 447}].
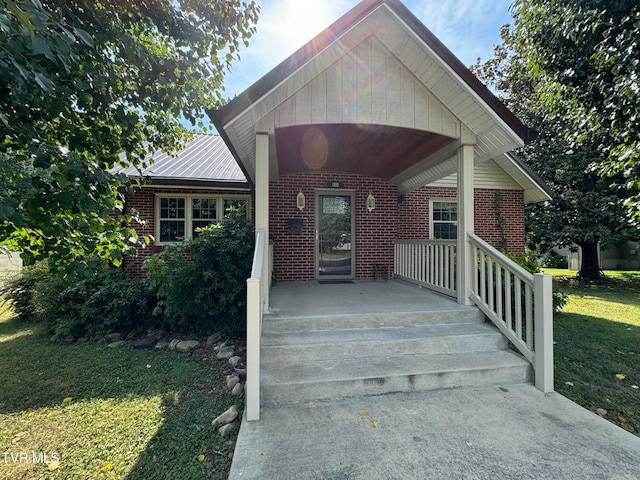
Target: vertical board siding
[
  {"x": 407, "y": 100},
  {"x": 367, "y": 85},
  {"x": 319, "y": 100},
  {"x": 363, "y": 82},
  {"x": 379, "y": 84}
]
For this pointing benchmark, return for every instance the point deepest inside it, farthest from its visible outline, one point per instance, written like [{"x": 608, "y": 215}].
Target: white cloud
[{"x": 469, "y": 28}]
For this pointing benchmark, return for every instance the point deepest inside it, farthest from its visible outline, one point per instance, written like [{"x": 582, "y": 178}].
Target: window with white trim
[
  {"x": 444, "y": 220},
  {"x": 179, "y": 217}
]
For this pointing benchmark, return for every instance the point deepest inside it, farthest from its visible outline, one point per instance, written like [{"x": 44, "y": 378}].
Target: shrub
[
  {"x": 201, "y": 282},
  {"x": 108, "y": 302},
  {"x": 553, "y": 260},
  {"x": 34, "y": 292},
  {"x": 99, "y": 301},
  {"x": 529, "y": 261}
]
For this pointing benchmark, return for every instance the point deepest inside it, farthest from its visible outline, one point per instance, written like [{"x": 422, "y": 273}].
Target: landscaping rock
[
  {"x": 119, "y": 343},
  {"x": 227, "y": 430},
  {"x": 144, "y": 342},
  {"x": 227, "y": 417},
  {"x": 185, "y": 346},
  {"x": 112, "y": 337},
  {"x": 225, "y": 352},
  {"x": 235, "y": 360},
  {"x": 238, "y": 389},
  {"x": 173, "y": 343},
  {"x": 241, "y": 370},
  {"x": 214, "y": 338},
  {"x": 162, "y": 344},
  {"x": 232, "y": 380}
]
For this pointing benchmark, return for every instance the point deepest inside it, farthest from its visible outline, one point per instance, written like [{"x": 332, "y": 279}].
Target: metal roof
[{"x": 204, "y": 160}]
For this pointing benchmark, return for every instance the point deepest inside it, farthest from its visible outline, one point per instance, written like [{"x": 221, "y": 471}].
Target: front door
[{"x": 335, "y": 235}]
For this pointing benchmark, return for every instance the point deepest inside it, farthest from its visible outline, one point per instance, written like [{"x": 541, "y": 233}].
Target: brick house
[
  {"x": 370, "y": 151},
  {"x": 365, "y": 130}
]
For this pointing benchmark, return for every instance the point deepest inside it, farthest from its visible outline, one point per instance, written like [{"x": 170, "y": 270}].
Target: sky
[{"x": 469, "y": 28}]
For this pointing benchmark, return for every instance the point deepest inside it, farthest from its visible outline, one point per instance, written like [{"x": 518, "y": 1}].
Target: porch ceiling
[{"x": 374, "y": 150}]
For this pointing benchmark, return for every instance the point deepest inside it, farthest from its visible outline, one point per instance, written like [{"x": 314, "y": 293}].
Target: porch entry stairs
[
  {"x": 294, "y": 358},
  {"x": 308, "y": 359}
]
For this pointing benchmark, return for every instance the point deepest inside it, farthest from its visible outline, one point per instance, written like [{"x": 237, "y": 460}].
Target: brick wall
[
  {"x": 143, "y": 200},
  {"x": 407, "y": 218},
  {"x": 375, "y": 231},
  {"x": 413, "y": 215}
]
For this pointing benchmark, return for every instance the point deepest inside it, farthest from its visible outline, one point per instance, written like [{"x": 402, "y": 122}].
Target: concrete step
[
  {"x": 278, "y": 324},
  {"x": 288, "y": 383},
  {"x": 313, "y": 346}
]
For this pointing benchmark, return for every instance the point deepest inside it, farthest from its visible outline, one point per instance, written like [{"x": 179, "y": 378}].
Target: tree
[
  {"x": 587, "y": 208},
  {"x": 85, "y": 86},
  {"x": 585, "y": 59}
]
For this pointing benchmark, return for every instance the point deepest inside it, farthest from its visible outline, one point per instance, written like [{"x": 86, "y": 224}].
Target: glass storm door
[{"x": 335, "y": 237}]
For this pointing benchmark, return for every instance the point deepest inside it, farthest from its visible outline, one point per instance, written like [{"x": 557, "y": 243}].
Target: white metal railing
[
  {"x": 430, "y": 263},
  {"x": 255, "y": 307},
  {"x": 519, "y": 303}
]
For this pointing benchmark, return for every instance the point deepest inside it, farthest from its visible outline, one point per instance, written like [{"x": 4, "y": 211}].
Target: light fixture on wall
[
  {"x": 371, "y": 202},
  {"x": 300, "y": 200}
]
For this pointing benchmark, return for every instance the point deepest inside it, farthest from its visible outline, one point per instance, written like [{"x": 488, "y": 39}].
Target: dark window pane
[
  {"x": 445, "y": 231},
  {"x": 235, "y": 204},
  {"x": 171, "y": 231},
  {"x": 204, "y": 208},
  {"x": 172, "y": 207}
]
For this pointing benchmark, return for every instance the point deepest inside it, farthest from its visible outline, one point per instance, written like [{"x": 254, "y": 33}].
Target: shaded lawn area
[
  {"x": 597, "y": 345},
  {"x": 112, "y": 413}
]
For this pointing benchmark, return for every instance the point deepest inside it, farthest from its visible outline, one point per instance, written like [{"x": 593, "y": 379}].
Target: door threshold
[{"x": 331, "y": 282}]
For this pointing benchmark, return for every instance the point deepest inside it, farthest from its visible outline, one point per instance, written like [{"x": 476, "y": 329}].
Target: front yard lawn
[
  {"x": 90, "y": 411},
  {"x": 597, "y": 345}
]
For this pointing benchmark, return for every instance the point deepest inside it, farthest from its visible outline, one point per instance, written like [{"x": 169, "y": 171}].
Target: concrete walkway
[{"x": 484, "y": 433}]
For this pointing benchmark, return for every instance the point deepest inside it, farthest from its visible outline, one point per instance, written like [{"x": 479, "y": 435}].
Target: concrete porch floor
[{"x": 302, "y": 299}]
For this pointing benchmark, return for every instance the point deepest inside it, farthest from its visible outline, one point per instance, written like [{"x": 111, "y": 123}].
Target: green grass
[
  {"x": 597, "y": 345},
  {"x": 132, "y": 415}
]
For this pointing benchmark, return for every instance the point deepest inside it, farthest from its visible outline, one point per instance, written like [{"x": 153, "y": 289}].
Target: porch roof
[{"x": 379, "y": 67}]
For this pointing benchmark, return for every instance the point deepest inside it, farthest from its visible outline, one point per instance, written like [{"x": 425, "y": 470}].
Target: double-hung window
[
  {"x": 179, "y": 217},
  {"x": 444, "y": 219}
]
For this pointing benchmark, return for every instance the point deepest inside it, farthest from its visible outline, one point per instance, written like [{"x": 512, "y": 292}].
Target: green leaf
[
  {"x": 23, "y": 17},
  {"x": 84, "y": 36},
  {"x": 7, "y": 207}
]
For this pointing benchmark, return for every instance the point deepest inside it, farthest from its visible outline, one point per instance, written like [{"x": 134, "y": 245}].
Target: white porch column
[
  {"x": 262, "y": 208},
  {"x": 466, "y": 264}
]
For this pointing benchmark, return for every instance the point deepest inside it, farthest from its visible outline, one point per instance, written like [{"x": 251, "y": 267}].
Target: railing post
[
  {"x": 254, "y": 313},
  {"x": 543, "y": 318}
]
